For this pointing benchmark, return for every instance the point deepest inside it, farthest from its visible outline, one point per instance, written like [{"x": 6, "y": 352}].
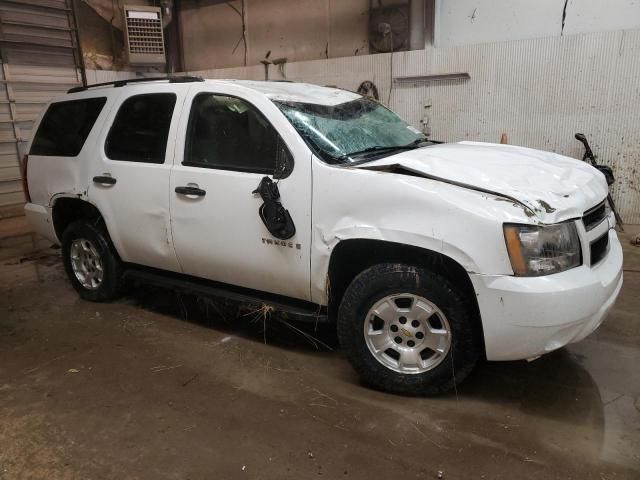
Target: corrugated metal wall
[
  {"x": 38, "y": 59},
  {"x": 101, "y": 76},
  {"x": 539, "y": 92}
]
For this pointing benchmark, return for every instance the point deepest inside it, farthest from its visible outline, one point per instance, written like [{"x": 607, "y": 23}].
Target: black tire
[
  {"x": 375, "y": 283},
  {"x": 111, "y": 284}
]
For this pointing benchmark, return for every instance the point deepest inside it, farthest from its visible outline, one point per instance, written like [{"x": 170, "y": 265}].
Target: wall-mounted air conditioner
[{"x": 143, "y": 35}]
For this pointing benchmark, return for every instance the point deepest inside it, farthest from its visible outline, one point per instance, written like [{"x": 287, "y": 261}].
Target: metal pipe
[
  {"x": 166, "y": 7},
  {"x": 79, "y": 55},
  {"x": 416, "y": 24},
  {"x": 171, "y": 35}
]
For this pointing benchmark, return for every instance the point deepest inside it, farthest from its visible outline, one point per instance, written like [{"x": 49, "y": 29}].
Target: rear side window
[
  {"x": 141, "y": 127},
  {"x": 65, "y": 127}
]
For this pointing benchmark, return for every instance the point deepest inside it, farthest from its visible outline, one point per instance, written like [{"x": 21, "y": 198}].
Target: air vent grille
[
  {"x": 145, "y": 41},
  {"x": 599, "y": 248},
  {"x": 594, "y": 216}
]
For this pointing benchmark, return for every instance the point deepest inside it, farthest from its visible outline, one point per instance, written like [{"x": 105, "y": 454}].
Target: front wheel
[
  {"x": 407, "y": 330},
  {"x": 93, "y": 268}
]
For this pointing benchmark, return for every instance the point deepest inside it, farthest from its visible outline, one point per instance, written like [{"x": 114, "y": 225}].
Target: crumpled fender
[
  {"x": 462, "y": 224},
  {"x": 325, "y": 241}
]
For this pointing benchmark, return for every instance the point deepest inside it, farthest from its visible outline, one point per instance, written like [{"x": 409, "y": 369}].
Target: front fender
[
  {"x": 461, "y": 224},
  {"x": 325, "y": 242}
]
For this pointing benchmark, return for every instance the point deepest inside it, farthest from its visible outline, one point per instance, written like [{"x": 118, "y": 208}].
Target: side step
[{"x": 299, "y": 309}]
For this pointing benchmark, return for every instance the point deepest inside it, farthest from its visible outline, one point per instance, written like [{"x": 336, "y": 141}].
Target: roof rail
[{"x": 122, "y": 83}]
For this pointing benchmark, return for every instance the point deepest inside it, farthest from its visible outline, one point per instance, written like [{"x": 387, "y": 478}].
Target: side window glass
[
  {"x": 228, "y": 133},
  {"x": 141, "y": 127},
  {"x": 65, "y": 127}
]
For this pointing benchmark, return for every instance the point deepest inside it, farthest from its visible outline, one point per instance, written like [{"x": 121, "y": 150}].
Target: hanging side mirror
[
  {"x": 274, "y": 216},
  {"x": 284, "y": 161}
]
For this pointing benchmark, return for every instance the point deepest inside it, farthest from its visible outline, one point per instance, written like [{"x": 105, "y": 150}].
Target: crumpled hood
[{"x": 552, "y": 186}]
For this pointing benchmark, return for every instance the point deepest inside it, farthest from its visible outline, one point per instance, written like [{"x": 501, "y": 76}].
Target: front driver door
[{"x": 232, "y": 140}]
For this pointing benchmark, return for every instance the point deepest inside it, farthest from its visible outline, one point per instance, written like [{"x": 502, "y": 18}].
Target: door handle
[
  {"x": 104, "y": 180},
  {"x": 198, "y": 192}
]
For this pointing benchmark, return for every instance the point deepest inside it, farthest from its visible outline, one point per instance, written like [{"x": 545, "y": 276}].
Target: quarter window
[
  {"x": 141, "y": 127},
  {"x": 228, "y": 133},
  {"x": 66, "y": 126}
]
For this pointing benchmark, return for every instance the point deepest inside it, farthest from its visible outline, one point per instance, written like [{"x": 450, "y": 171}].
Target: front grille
[
  {"x": 594, "y": 216},
  {"x": 599, "y": 248}
]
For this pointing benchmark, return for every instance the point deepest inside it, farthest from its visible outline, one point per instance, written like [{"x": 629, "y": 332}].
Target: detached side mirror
[
  {"x": 284, "y": 161},
  {"x": 274, "y": 216}
]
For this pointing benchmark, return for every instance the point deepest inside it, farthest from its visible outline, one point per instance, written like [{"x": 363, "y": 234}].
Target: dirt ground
[{"x": 163, "y": 386}]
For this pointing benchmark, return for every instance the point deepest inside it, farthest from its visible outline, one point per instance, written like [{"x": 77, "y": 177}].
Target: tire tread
[{"x": 386, "y": 278}]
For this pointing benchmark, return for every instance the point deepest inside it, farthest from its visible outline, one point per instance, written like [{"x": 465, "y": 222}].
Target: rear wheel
[
  {"x": 90, "y": 261},
  {"x": 407, "y": 330}
]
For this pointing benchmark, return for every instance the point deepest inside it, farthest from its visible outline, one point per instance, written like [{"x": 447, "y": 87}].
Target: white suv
[{"x": 324, "y": 203}]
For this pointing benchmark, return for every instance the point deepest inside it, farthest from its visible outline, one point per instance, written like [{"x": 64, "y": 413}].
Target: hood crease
[{"x": 552, "y": 187}]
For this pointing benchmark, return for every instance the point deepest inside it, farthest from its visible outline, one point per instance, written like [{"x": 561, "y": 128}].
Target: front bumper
[{"x": 527, "y": 317}]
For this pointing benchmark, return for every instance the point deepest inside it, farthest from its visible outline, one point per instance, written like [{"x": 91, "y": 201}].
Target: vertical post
[
  {"x": 75, "y": 41},
  {"x": 430, "y": 22},
  {"x": 416, "y": 24},
  {"x": 13, "y": 114},
  {"x": 171, "y": 32}
]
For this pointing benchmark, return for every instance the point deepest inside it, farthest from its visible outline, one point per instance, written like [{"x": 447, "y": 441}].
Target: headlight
[{"x": 542, "y": 250}]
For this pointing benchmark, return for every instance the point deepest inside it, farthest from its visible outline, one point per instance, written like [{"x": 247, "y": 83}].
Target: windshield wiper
[
  {"x": 381, "y": 148},
  {"x": 384, "y": 148}
]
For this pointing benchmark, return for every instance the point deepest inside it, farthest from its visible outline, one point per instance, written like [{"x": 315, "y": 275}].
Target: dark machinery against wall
[{"x": 388, "y": 28}]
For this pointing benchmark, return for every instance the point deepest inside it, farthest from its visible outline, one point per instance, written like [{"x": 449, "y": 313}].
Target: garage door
[{"x": 40, "y": 60}]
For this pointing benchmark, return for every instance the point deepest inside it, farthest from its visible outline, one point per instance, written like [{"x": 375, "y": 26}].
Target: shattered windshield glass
[{"x": 351, "y": 132}]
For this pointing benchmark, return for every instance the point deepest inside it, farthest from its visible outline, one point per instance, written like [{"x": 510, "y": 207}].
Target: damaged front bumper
[{"x": 526, "y": 317}]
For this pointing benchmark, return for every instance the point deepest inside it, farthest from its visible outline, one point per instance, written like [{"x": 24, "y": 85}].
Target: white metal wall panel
[
  {"x": 38, "y": 62},
  {"x": 11, "y": 125},
  {"x": 102, "y": 76},
  {"x": 539, "y": 92}
]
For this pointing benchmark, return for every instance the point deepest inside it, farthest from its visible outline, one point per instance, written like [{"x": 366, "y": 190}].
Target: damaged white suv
[{"x": 323, "y": 203}]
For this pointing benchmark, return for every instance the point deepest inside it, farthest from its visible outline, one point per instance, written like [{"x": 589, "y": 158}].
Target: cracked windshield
[{"x": 351, "y": 132}]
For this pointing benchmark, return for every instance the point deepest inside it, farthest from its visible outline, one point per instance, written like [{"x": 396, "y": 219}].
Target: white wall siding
[
  {"x": 539, "y": 92},
  {"x": 465, "y": 22},
  {"x": 102, "y": 76},
  {"x": 39, "y": 61}
]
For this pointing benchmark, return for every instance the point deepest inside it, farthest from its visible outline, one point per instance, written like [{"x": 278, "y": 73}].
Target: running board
[{"x": 299, "y": 309}]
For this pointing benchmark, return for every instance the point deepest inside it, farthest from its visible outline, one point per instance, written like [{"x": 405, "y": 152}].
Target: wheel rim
[
  {"x": 86, "y": 263},
  {"x": 407, "y": 333}
]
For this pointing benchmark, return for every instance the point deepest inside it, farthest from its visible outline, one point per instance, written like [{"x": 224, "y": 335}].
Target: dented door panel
[{"x": 136, "y": 206}]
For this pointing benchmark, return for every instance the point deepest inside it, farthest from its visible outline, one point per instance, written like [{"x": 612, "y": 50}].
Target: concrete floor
[{"x": 159, "y": 385}]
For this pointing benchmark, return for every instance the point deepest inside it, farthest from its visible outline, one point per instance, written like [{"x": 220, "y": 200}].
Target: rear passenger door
[
  {"x": 129, "y": 178},
  {"x": 230, "y": 139}
]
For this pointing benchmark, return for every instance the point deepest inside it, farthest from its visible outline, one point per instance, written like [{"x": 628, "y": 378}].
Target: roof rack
[{"x": 122, "y": 83}]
